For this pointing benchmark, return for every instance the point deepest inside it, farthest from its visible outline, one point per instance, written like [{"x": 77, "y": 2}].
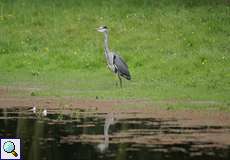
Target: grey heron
[{"x": 114, "y": 62}]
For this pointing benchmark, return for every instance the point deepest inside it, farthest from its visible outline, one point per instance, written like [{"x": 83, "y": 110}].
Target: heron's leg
[
  {"x": 116, "y": 82},
  {"x": 120, "y": 80}
]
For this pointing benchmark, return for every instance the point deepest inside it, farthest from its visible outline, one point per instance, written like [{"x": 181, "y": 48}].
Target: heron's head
[{"x": 102, "y": 29}]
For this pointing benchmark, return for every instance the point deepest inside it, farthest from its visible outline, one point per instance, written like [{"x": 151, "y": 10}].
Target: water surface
[{"x": 77, "y": 134}]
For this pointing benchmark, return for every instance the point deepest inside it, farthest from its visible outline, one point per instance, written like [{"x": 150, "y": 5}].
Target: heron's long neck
[{"x": 106, "y": 42}]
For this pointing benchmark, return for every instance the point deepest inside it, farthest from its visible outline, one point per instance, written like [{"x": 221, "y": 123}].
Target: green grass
[
  {"x": 175, "y": 49},
  {"x": 214, "y": 107}
]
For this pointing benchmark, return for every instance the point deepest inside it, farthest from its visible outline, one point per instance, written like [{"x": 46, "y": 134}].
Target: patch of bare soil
[{"x": 3, "y": 92}]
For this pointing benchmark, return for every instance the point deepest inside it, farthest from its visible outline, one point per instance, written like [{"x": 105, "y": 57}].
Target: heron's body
[{"x": 114, "y": 62}]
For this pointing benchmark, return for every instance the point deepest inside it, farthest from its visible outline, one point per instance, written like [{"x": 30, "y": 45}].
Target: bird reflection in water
[{"x": 102, "y": 147}]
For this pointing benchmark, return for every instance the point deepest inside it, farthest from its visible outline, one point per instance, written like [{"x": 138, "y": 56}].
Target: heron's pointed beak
[{"x": 98, "y": 29}]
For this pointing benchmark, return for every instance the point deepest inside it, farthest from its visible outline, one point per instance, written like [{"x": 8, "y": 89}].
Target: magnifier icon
[{"x": 9, "y": 147}]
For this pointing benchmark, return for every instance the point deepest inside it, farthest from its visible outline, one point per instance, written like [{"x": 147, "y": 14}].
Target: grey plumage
[
  {"x": 114, "y": 62},
  {"x": 121, "y": 67}
]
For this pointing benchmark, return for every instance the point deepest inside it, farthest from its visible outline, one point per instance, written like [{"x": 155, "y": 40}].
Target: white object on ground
[
  {"x": 34, "y": 109},
  {"x": 44, "y": 112}
]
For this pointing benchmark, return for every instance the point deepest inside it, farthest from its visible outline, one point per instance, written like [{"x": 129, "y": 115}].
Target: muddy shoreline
[{"x": 212, "y": 126}]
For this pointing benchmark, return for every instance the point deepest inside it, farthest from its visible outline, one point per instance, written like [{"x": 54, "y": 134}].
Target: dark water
[{"x": 83, "y": 136}]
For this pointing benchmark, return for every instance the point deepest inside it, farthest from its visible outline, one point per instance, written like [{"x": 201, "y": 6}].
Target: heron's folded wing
[{"x": 121, "y": 66}]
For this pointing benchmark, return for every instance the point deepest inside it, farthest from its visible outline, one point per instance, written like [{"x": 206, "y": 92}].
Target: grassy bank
[{"x": 175, "y": 49}]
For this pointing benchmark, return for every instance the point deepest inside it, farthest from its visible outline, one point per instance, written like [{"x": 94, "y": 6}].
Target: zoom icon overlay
[{"x": 10, "y": 149}]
